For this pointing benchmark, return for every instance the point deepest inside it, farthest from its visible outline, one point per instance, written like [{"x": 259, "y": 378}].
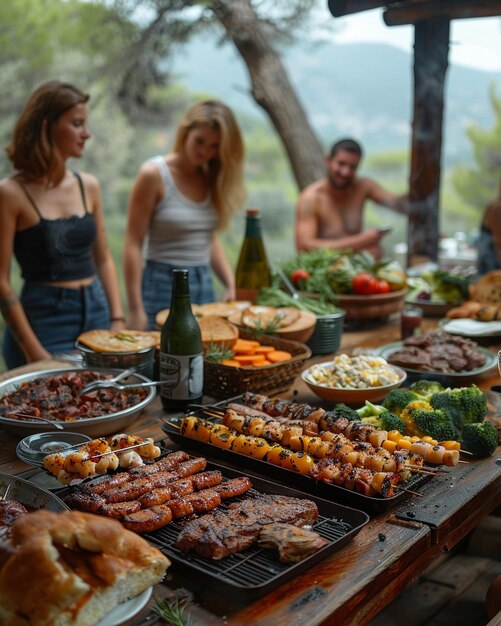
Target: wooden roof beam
[
  {"x": 452, "y": 9},
  {"x": 338, "y": 8}
]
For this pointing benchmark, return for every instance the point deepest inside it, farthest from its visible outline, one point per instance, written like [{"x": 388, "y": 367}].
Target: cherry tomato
[
  {"x": 383, "y": 286},
  {"x": 365, "y": 284},
  {"x": 299, "y": 274}
]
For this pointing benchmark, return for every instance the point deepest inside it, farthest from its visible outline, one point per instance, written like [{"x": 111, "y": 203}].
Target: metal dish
[
  {"x": 490, "y": 362},
  {"x": 29, "y": 494},
  {"x": 140, "y": 360},
  {"x": 92, "y": 426}
]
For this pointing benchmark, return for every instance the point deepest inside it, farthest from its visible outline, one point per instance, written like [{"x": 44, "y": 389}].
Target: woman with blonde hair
[
  {"x": 177, "y": 205},
  {"x": 51, "y": 220}
]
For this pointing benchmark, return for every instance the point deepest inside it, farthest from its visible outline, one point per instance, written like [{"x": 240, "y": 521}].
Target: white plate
[
  {"x": 467, "y": 327},
  {"x": 127, "y": 610}
]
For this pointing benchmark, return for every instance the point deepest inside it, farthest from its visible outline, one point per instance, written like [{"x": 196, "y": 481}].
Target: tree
[
  {"x": 252, "y": 29},
  {"x": 479, "y": 185}
]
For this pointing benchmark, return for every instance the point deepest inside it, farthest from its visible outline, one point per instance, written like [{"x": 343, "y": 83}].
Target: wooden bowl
[
  {"x": 376, "y": 306},
  {"x": 300, "y": 330}
]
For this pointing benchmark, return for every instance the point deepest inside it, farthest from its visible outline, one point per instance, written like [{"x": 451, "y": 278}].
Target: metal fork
[{"x": 109, "y": 382}]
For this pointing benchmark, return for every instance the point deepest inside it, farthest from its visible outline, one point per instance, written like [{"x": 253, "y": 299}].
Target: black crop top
[{"x": 59, "y": 249}]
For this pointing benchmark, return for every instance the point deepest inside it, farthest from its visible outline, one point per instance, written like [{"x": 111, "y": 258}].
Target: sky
[{"x": 473, "y": 43}]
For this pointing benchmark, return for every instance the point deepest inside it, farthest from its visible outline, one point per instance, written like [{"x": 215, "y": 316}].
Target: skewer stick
[
  {"x": 414, "y": 493},
  {"x": 434, "y": 470},
  {"x": 178, "y": 426},
  {"x": 460, "y": 461},
  {"x": 4, "y": 497},
  {"x": 137, "y": 445},
  {"x": 466, "y": 452},
  {"x": 420, "y": 471}
]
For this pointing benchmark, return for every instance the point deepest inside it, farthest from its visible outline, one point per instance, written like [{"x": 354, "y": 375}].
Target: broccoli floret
[
  {"x": 343, "y": 410},
  {"x": 466, "y": 405},
  {"x": 426, "y": 388},
  {"x": 385, "y": 421},
  {"x": 370, "y": 410},
  {"x": 480, "y": 438},
  {"x": 398, "y": 399},
  {"x": 408, "y": 420},
  {"x": 437, "y": 424}
]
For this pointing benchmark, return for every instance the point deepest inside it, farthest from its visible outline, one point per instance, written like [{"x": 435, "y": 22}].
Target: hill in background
[{"x": 359, "y": 90}]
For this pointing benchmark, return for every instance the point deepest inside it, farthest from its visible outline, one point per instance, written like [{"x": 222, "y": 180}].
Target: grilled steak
[{"x": 222, "y": 533}]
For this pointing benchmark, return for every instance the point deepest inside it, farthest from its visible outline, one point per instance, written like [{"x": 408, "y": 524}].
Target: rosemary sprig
[
  {"x": 268, "y": 328},
  {"x": 172, "y": 611},
  {"x": 215, "y": 352}
]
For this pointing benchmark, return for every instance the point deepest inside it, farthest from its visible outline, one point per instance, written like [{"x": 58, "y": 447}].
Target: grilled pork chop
[{"x": 222, "y": 533}]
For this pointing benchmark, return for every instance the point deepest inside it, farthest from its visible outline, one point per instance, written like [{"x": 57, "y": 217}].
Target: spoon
[{"x": 36, "y": 417}]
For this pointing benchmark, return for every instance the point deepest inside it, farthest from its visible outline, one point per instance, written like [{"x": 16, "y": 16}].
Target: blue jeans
[
  {"x": 157, "y": 287},
  {"x": 58, "y": 315}
]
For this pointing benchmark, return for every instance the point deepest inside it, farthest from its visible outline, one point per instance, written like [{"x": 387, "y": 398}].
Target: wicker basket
[{"x": 226, "y": 381}]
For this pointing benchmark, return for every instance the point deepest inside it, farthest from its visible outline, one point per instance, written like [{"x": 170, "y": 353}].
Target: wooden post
[{"x": 431, "y": 48}]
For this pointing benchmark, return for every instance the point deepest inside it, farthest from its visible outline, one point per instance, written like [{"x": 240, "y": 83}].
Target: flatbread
[
  {"x": 263, "y": 316},
  {"x": 119, "y": 340},
  {"x": 222, "y": 309}
]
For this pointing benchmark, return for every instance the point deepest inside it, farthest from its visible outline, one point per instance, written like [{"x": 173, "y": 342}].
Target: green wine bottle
[
  {"x": 253, "y": 270},
  {"x": 181, "y": 360}
]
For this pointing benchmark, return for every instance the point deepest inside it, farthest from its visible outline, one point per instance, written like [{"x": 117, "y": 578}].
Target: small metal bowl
[
  {"x": 92, "y": 426},
  {"x": 140, "y": 360}
]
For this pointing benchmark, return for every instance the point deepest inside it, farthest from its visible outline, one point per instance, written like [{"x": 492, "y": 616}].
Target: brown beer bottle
[
  {"x": 253, "y": 270},
  {"x": 181, "y": 360}
]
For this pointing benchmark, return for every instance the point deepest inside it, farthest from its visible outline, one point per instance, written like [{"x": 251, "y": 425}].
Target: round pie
[{"x": 119, "y": 340}]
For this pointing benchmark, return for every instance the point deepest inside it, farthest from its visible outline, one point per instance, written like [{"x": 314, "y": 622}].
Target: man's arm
[
  {"x": 387, "y": 198},
  {"x": 307, "y": 231}
]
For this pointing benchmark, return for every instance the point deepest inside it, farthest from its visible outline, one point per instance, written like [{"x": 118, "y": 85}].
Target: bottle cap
[{"x": 253, "y": 212}]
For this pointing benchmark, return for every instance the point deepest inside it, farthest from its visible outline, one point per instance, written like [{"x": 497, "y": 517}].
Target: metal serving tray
[
  {"x": 369, "y": 504},
  {"x": 92, "y": 426},
  {"x": 256, "y": 571}
]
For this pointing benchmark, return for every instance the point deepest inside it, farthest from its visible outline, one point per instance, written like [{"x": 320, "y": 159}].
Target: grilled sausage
[
  {"x": 205, "y": 500},
  {"x": 165, "y": 464},
  {"x": 88, "y": 502},
  {"x": 148, "y": 520},
  {"x": 108, "y": 482},
  {"x": 181, "y": 507},
  {"x": 117, "y": 510},
  {"x": 182, "y": 487},
  {"x": 207, "y": 479},
  {"x": 234, "y": 487},
  {"x": 191, "y": 467},
  {"x": 155, "y": 497}
]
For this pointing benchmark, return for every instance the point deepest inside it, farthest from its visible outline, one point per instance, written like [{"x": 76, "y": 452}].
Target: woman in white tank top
[{"x": 177, "y": 204}]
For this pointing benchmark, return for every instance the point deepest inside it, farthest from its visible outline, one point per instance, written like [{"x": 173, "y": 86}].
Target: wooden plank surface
[{"x": 356, "y": 583}]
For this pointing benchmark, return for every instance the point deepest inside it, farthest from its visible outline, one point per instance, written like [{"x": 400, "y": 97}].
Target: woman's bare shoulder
[{"x": 10, "y": 193}]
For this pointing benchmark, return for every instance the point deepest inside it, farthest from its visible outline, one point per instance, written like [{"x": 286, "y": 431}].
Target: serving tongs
[{"x": 109, "y": 382}]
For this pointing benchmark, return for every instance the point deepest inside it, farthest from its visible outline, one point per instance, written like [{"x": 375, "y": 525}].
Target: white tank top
[{"x": 181, "y": 229}]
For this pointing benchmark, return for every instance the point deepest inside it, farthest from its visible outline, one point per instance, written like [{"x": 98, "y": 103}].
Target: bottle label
[{"x": 182, "y": 376}]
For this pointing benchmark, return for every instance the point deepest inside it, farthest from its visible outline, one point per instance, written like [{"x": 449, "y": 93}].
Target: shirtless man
[{"x": 330, "y": 211}]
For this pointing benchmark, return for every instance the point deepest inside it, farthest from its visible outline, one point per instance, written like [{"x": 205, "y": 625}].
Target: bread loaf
[
  {"x": 488, "y": 289},
  {"x": 217, "y": 330},
  {"x": 72, "y": 568}
]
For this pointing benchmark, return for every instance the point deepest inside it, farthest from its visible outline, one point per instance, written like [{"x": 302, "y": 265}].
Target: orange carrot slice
[
  {"x": 249, "y": 359},
  {"x": 278, "y": 355},
  {"x": 264, "y": 349},
  {"x": 265, "y": 362},
  {"x": 231, "y": 362}
]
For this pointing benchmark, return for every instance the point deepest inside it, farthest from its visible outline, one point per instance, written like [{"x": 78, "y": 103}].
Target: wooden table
[{"x": 354, "y": 584}]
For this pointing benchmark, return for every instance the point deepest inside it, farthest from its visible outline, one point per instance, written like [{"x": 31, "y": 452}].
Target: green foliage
[
  {"x": 343, "y": 410},
  {"x": 478, "y": 185}
]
